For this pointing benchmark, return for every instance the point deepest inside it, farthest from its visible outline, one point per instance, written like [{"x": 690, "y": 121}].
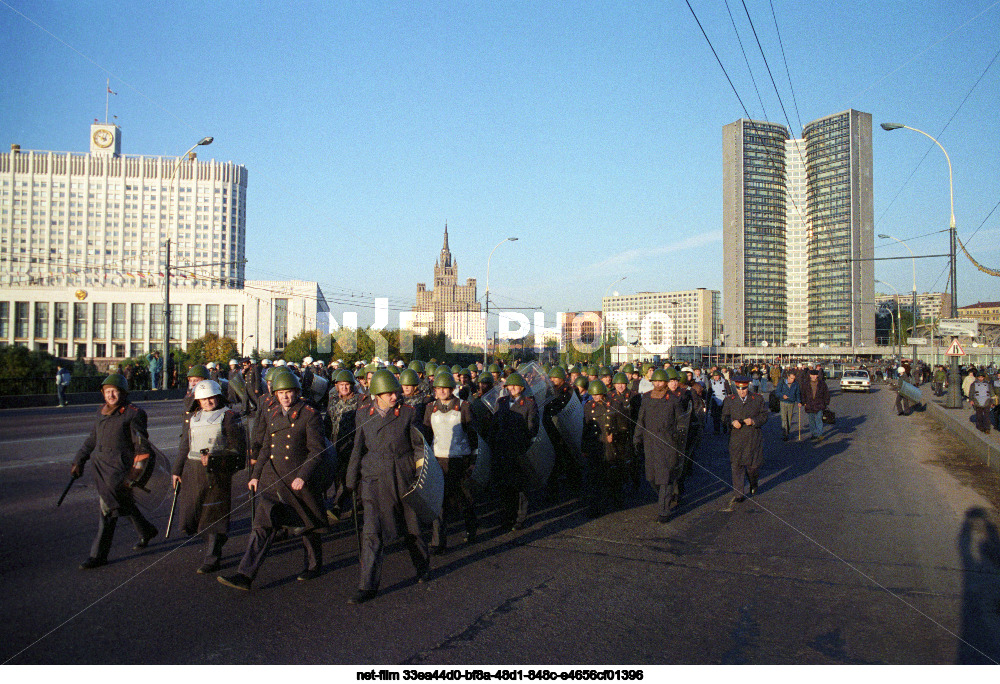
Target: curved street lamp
[
  {"x": 486, "y": 321},
  {"x": 897, "y": 321},
  {"x": 954, "y": 399},
  {"x": 207, "y": 140}
]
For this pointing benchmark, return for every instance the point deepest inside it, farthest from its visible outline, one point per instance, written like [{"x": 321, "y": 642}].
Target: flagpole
[{"x": 107, "y": 97}]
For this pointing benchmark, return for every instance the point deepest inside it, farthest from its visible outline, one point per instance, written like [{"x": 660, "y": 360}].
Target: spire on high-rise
[{"x": 445, "y": 260}]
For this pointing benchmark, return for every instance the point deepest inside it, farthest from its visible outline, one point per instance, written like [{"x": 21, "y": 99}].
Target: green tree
[{"x": 209, "y": 347}]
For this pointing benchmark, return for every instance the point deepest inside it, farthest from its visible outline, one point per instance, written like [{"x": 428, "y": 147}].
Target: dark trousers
[
  {"x": 61, "y": 394},
  {"x": 457, "y": 495},
  {"x": 741, "y": 474},
  {"x": 373, "y": 542},
  {"x": 983, "y": 418},
  {"x": 109, "y": 521},
  {"x": 266, "y": 520},
  {"x": 605, "y": 480},
  {"x": 716, "y": 411}
]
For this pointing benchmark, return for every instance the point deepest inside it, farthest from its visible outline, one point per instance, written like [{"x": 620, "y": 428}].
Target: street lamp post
[
  {"x": 207, "y": 140},
  {"x": 913, "y": 262},
  {"x": 243, "y": 347},
  {"x": 896, "y": 326},
  {"x": 603, "y": 322},
  {"x": 486, "y": 321},
  {"x": 954, "y": 398}
]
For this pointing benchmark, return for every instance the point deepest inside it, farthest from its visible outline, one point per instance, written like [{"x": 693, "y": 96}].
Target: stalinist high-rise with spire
[{"x": 454, "y": 307}]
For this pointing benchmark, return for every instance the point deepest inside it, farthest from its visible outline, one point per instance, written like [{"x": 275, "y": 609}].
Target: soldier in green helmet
[
  {"x": 381, "y": 469},
  {"x": 494, "y": 370},
  {"x": 516, "y": 424},
  {"x": 290, "y": 479},
  {"x": 604, "y": 442},
  {"x": 119, "y": 445},
  {"x": 412, "y": 396},
  {"x": 580, "y": 385},
  {"x": 342, "y": 408},
  {"x": 566, "y": 466},
  {"x": 448, "y": 422}
]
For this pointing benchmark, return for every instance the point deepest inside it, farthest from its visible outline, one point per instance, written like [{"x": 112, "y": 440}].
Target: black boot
[
  {"x": 213, "y": 555},
  {"x": 102, "y": 543}
]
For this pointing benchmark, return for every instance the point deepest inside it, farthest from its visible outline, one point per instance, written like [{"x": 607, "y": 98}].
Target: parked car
[{"x": 855, "y": 380}]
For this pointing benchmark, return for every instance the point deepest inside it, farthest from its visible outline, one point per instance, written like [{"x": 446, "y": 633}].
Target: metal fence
[{"x": 47, "y": 385}]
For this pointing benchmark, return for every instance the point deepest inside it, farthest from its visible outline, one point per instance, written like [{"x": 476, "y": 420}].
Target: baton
[
  {"x": 66, "y": 491},
  {"x": 357, "y": 530},
  {"x": 253, "y": 504},
  {"x": 173, "y": 509}
]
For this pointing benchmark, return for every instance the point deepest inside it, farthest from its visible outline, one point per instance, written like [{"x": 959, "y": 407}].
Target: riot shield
[
  {"x": 481, "y": 469},
  {"x": 318, "y": 388},
  {"x": 426, "y": 495},
  {"x": 492, "y": 398},
  {"x": 155, "y": 493},
  {"x": 538, "y": 460},
  {"x": 569, "y": 422},
  {"x": 537, "y": 382}
]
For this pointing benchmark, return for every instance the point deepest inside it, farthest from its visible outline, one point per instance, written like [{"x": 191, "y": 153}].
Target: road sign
[
  {"x": 955, "y": 349},
  {"x": 963, "y": 327},
  {"x": 916, "y": 341}
]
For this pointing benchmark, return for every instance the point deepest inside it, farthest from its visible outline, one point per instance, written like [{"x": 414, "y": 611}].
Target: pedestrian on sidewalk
[
  {"x": 62, "y": 382},
  {"x": 982, "y": 396},
  {"x": 815, "y": 399},
  {"x": 789, "y": 396}
]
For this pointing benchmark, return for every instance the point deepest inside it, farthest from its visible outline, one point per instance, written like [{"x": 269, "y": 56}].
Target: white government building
[{"x": 84, "y": 258}]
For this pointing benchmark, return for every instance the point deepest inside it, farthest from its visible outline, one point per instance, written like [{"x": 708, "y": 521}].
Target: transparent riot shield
[
  {"x": 426, "y": 495},
  {"x": 569, "y": 422},
  {"x": 154, "y": 496}
]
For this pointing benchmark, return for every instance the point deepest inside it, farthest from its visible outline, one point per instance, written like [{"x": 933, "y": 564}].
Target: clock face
[{"x": 103, "y": 138}]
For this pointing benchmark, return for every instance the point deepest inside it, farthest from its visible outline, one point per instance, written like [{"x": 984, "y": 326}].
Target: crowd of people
[{"x": 323, "y": 442}]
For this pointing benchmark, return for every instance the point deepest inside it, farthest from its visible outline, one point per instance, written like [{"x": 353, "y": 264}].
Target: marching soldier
[
  {"x": 383, "y": 465},
  {"x": 119, "y": 445},
  {"x": 212, "y": 448},
  {"x": 604, "y": 435},
  {"x": 565, "y": 464},
  {"x": 412, "y": 396},
  {"x": 656, "y": 435},
  {"x": 343, "y": 407},
  {"x": 516, "y": 424},
  {"x": 449, "y": 422},
  {"x": 745, "y": 413},
  {"x": 288, "y": 477}
]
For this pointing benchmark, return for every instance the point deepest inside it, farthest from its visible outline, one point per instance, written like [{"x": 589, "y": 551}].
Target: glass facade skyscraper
[{"x": 798, "y": 232}]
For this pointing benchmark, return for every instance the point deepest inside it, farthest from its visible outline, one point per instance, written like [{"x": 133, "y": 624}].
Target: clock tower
[{"x": 105, "y": 139}]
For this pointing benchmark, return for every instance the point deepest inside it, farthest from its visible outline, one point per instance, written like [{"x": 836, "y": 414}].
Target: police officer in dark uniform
[
  {"x": 745, "y": 413},
  {"x": 342, "y": 408},
  {"x": 212, "y": 448},
  {"x": 516, "y": 424},
  {"x": 565, "y": 466},
  {"x": 289, "y": 478},
  {"x": 604, "y": 435},
  {"x": 383, "y": 463},
  {"x": 656, "y": 434},
  {"x": 120, "y": 448}
]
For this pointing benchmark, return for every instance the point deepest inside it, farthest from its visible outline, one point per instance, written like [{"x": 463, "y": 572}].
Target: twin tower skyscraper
[{"x": 798, "y": 233}]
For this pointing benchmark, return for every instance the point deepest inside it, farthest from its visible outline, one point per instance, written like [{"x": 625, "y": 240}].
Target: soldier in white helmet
[{"x": 212, "y": 448}]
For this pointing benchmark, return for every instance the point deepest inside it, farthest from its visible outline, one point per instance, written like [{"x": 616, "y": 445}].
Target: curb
[{"x": 985, "y": 447}]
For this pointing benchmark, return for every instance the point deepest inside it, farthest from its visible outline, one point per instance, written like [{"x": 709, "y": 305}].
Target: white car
[{"x": 855, "y": 380}]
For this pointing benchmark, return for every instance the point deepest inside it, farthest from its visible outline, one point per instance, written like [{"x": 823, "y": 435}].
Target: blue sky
[{"x": 591, "y": 131}]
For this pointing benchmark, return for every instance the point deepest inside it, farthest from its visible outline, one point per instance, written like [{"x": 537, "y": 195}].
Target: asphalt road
[{"x": 878, "y": 545}]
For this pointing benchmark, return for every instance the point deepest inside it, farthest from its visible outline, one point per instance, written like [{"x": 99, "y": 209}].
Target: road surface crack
[{"x": 479, "y": 625}]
